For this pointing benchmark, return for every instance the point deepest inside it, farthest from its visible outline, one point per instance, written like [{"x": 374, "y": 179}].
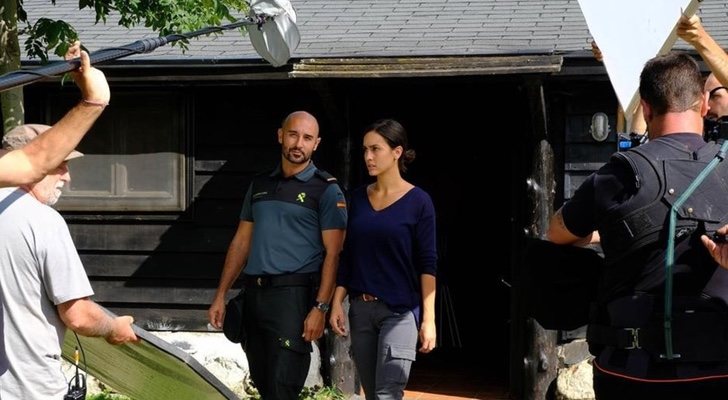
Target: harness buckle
[{"x": 635, "y": 332}]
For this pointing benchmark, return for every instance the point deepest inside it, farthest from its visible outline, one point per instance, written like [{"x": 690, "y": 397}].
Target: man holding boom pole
[{"x": 46, "y": 152}]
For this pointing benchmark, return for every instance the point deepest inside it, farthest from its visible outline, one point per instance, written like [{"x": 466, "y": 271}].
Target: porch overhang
[{"x": 425, "y": 66}]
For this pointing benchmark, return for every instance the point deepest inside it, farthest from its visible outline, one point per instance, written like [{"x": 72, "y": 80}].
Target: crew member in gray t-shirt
[{"x": 43, "y": 286}]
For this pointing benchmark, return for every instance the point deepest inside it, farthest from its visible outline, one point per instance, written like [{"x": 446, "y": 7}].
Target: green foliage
[
  {"x": 106, "y": 395},
  {"x": 162, "y": 16},
  {"x": 309, "y": 393},
  {"x": 321, "y": 393},
  {"x": 48, "y": 34}
]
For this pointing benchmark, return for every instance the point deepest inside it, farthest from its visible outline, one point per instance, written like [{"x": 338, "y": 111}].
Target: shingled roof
[{"x": 392, "y": 28}]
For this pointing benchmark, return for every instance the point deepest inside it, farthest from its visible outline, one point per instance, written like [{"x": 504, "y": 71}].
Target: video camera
[
  {"x": 626, "y": 142},
  {"x": 715, "y": 129}
]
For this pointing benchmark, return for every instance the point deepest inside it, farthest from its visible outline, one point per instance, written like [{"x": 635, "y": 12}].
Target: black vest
[
  {"x": 662, "y": 171},
  {"x": 634, "y": 238}
]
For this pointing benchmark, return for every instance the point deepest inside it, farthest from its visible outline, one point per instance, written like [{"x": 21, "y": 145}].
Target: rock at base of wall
[{"x": 575, "y": 382}]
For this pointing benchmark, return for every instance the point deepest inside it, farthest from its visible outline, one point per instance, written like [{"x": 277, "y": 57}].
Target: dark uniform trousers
[{"x": 278, "y": 356}]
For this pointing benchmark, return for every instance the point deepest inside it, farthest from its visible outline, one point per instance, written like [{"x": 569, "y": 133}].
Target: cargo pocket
[
  {"x": 397, "y": 365},
  {"x": 297, "y": 345},
  {"x": 292, "y": 365}
]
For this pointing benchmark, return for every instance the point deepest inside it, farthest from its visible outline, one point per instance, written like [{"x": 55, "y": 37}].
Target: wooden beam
[
  {"x": 533, "y": 351},
  {"x": 426, "y": 66}
]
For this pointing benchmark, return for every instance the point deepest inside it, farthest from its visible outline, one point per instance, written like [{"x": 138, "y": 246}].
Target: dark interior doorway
[{"x": 459, "y": 153}]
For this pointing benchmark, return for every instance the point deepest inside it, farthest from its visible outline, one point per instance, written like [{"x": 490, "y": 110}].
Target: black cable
[
  {"x": 83, "y": 353},
  {"x": 77, "y": 384}
]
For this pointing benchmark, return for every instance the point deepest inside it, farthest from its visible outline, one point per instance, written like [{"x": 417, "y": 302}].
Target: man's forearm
[
  {"x": 102, "y": 325},
  {"x": 692, "y": 31},
  {"x": 333, "y": 240},
  {"x": 86, "y": 318},
  {"x": 231, "y": 269},
  {"x": 328, "y": 278},
  {"x": 49, "y": 149},
  {"x": 714, "y": 56}
]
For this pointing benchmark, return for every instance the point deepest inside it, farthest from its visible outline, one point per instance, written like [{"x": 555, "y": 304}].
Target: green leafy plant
[
  {"x": 311, "y": 393},
  {"x": 106, "y": 395},
  {"x": 321, "y": 393}
]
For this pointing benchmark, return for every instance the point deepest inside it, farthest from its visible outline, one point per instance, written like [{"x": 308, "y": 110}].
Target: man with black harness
[
  {"x": 288, "y": 242},
  {"x": 654, "y": 330}
]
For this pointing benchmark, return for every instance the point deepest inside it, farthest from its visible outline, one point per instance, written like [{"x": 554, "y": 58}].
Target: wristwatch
[{"x": 321, "y": 306}]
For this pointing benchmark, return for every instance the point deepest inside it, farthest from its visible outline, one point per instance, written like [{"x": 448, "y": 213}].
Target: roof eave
[{"x": 396, "y": 67}]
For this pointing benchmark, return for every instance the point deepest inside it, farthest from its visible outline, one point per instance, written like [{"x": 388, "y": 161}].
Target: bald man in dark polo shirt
[{"x": 287, "y": 244}]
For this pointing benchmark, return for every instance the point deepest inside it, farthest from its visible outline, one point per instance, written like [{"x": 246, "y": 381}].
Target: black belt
[
  {"x": 698, "y": 336},
  {"x": 309, "y": 279}
]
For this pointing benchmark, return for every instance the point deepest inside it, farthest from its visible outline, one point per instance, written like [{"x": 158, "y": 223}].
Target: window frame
[{"x": 124, "y": 101}]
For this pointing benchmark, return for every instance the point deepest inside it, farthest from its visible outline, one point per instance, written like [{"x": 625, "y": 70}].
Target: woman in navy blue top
[{"x": 387, "y": 268}]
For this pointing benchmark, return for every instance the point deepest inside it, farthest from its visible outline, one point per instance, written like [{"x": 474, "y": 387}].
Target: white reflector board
[{"x": 629, "y": 33}]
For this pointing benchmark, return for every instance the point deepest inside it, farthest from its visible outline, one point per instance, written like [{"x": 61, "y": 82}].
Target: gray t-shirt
[{"x": 39, "y": 269}]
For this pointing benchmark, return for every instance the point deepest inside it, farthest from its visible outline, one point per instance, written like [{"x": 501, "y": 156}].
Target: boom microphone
[{"x": 271, "y": 26}]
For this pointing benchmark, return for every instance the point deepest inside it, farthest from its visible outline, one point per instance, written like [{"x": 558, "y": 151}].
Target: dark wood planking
[
  {"x": 155, "y": 292},
  {"x": 178, "y": 237},
  {"x": 221, "y": 186},
  {"x": 154, "y": 266}
]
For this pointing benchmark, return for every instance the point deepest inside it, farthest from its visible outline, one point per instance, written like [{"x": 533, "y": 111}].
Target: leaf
[
  {"x": 53, "y": 34},
  {"x": 22, "y": 15}
]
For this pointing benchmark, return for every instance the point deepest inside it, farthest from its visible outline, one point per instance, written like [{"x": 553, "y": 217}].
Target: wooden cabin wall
[{"x": 163, "y": 266}]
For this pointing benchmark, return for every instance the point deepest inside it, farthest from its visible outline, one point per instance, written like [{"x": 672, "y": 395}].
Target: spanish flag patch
[{"x": 341, "y": 204}]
